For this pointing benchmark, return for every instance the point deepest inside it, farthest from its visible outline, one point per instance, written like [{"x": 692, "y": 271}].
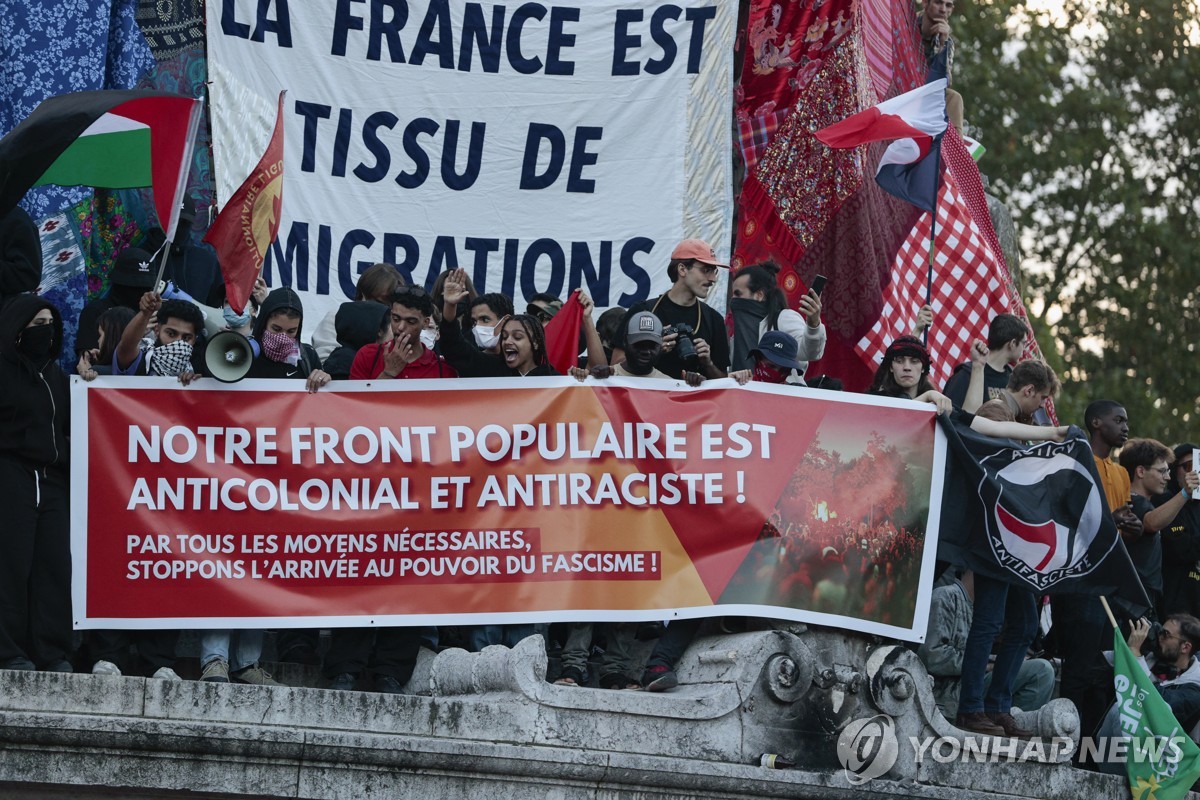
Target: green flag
[{"x": 1162, "y": 760}]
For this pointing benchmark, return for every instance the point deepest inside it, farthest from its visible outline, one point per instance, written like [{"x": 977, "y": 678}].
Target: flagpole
[
  {"x": 929, "y": 272},
  {"x": 1107, "y": 610},
  {"x": 162, "y": 267}
]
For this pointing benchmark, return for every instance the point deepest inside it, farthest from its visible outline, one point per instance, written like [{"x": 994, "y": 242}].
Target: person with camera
[
  {"x": 694, "y": 336},
  {"x": 1167, "y": 653}
]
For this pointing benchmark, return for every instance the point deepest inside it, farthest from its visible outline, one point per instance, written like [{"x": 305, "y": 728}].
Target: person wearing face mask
[
  {"x": 486, "y": 312},
  {"x": 174, "y": 339},
  {"x": 35, "y": 550},
  {"x": 758, "y": 306},
  {"x": 277, "y": 330},
  {"x": 191, "y": 266},
  {"x": 405, "y": 355},
  {"x": 775, "y": 358},
  {"x": 170, "y": 354},
  {"x": 131, "y": 276},
  {"x": 521, "y": 344}
]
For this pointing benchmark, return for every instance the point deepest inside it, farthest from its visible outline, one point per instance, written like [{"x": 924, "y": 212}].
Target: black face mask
[
  {"x": 748, "y": 314},
  {"x": 36, "y": 342}
]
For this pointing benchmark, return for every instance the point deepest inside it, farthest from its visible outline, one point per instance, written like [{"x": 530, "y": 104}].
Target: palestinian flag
[{"x": 108, "y": 139}]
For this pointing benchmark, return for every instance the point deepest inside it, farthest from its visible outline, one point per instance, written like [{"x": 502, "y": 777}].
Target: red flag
[
  {"x": 249, "y": 222},
  {"x": 562, "y": 335}
]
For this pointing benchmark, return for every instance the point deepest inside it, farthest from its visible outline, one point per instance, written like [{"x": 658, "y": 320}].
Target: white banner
[{"x": 539, "y": 147}]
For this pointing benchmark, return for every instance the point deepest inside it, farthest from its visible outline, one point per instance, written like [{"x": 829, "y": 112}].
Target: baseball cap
[
  {"x": 643, "y": 326},
  {"x": 696, "y": 250},
  {"x": 779, "y": 348},
  {"x": 134, "y": 268}
]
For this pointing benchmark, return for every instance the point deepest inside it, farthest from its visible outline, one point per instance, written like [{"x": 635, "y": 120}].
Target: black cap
[{"x": 134, "y": 268}]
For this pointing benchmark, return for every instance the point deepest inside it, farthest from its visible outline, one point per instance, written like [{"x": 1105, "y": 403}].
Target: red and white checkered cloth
[
  {"x": 970, "y": 280},
  {"x": 756, "y": 133}
]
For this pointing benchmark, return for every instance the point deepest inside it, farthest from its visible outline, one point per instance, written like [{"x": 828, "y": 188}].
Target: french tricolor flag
[{"x": 910, "y": 168}]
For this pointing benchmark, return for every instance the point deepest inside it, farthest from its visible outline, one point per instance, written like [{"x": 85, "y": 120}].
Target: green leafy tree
[{"x": 1091, "y": 116}]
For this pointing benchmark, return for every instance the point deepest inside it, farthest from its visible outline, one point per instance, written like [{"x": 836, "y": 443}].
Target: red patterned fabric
[
  {"x": 755, "y": 134},
  {"x": 803, "y": 205}
]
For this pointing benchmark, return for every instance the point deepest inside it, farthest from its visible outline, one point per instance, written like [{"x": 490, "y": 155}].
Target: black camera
[
  {"x": 683, "y": 345},
  {"x": 1150, "y": 645}
]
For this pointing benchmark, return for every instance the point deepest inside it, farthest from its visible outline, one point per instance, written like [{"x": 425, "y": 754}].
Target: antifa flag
[{"x": 1035, "y": 517}]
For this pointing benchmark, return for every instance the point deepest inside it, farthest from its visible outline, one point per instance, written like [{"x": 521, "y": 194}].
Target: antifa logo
[{"x": 1043, "y": 512}]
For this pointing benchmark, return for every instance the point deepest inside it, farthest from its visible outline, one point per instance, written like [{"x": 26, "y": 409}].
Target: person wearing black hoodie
[
  {"x": 358, "y": 324},
  {"x": 277, "y": 329},
  {"x": 35, "y": 551},
  {"x": 131, "y": 276}
]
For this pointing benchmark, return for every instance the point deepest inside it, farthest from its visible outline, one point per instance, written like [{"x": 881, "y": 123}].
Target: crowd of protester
[{"x": 977, "y": 652}]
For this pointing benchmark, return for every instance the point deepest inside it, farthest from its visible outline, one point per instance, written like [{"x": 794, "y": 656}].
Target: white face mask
[
  {"x": 428, "y": 337},
  {"x": 486, "y": 338}
]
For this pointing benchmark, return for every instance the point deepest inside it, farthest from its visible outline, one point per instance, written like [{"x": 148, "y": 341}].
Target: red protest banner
[{"x": 417, "y": 502}]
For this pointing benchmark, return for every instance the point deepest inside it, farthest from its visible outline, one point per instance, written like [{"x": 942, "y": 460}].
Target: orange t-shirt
[{"x": 1115, "y": 480}]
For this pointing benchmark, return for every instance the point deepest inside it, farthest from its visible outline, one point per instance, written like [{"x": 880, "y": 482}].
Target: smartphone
[{"x": 818, "y": 284}]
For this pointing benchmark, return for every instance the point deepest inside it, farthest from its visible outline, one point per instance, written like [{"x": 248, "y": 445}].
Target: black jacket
[
  {"x": 35, "y": 411},
  {"x": 357, "y": 325}
]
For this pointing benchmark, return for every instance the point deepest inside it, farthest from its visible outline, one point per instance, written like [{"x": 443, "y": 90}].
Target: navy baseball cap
[{"x": 780, "y": 349}]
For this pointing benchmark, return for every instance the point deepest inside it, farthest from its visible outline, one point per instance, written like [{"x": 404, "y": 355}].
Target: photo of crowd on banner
[
  {"x": 848, "y": 533},
  {"x": 1019, "y": 567}
]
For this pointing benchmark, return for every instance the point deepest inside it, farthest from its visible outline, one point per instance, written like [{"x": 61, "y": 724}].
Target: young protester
[
  {"x": 775, "y": 358},
  {"x": 1008, "y": 336},
  {"x": 951, "y": 612},
  {"x": 1148, "y": 463},
  {"x": 1002, "y": 612},
  {"x": 98, "y": 361},
  {"x": 377, "y": 283},
  {"x": 904, "y": 373},
  {"x": 693, "y": 273},
  {"x": 438, "y": 292},
  {"x": 35, "y": 550},
  {"x": 405, "y": 355},
  {"x": 759, "y": 306},
  {"x": 169, "y": 354},
  {"x": 1181, "y": 538},
  {"x": 131, "y": 276},
  {"x": 543, "y": 306},
  {"x": 522, "y": 340},
  {"x": 175, "y": 335},
  {"x": 234, "y": 655},
  {"x": 486, "y": 311}
]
